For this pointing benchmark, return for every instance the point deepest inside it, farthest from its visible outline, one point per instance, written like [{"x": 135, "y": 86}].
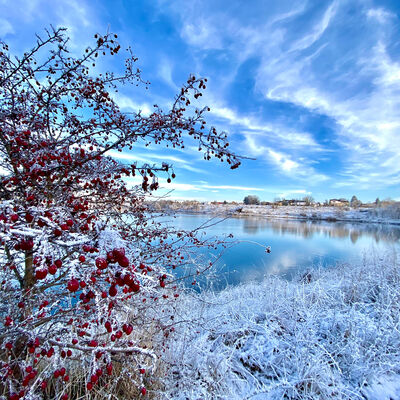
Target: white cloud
[
  {"x": 127, "y": 104},
  {"x": 165, "y": 73},
  {"x": 230, "y": 187},
  {"x": 358, "y": 89},
  {"x": 5, "y": 27},
  {"x": 293, "y": 193},
  {"x": 284, "y": 163},
  {"x": 201, "y": 33},
  {"x": 182, "y": 187},
  {"x": 368, "y": 124},
  {"x": 380, "y": 14},
  {"x": 153, "y": 158},
  {"x": 317, "y": 31},
  {"x": 282, "y": 135}
]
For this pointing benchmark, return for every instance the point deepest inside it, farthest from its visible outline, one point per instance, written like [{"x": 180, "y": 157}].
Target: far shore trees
[
  {"x": 85, "y": 271},
  {"x": 354, "y": 202},
  {"x": 251, "y": 200},
  {"x": 309, "y": 200}
]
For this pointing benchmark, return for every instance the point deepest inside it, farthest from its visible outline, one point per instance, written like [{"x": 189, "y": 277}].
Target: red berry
[
  {"x": 118, "y": 253},
  {"x": 26, "y": 245},
  {"x": 101, "y": 263},
  {"x": 135, "y": 286},
  {"x": 82, "y": 258},
  {"x": 52, "y": 269},
  {"x": 58, "y": 263},
  {"x": 113, "y": 291},
  {"x": 109, "y": 368},
  {"x": 41, "y": 273},
  {"x": 143, "y": 391},
  {"x": 14, "y": 217},
  {"x": 73, "y": 285},
  {"x": 123, "y": 261}
]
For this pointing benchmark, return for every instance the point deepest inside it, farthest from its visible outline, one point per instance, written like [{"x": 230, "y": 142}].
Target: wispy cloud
[
  {"x": 285, "y": 164},
  {"x": 308, "y": 88},
  {"x": 154, "y": 159},
  {"x": 165, "y": 73},
  {"x": 201, "y": 33},
  {"x": 5, "y": 27},
  {"x": 127, "y": 104},
  {"x": 316, "y": 31},
  {"x": 293, "y": 193},
  {"x": 230, "y": 187},
  {"x": 380, "y": 14}
]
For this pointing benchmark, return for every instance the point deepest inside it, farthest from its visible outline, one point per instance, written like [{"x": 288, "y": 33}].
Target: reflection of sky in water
[{"x": 296, "y": 245}]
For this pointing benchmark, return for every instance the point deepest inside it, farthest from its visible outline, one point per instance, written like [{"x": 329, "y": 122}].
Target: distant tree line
[
  {"x": 309, "y": 201},
  {"x": 251, "y": 200}
]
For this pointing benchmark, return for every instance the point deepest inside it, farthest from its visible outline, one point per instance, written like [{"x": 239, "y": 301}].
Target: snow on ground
[
  {"x": 330, "y": 334},
  {"x": 388, "y": 215}
]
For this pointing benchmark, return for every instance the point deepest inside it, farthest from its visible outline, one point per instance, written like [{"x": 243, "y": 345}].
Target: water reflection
[
  {"x": 307, "y": 229},
  {"x": 296, "y": 245}
]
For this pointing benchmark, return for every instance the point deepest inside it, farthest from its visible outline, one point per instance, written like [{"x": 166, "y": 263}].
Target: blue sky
[{"x": 310, "y": 89}]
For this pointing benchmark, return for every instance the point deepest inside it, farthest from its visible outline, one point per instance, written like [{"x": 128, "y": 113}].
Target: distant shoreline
[{"x": 307, "y": 213}]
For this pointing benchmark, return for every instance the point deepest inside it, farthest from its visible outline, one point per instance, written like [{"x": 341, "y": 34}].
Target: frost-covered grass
[
  {"x": 331, "y": 334},
  {"x": 388, "y": 214}
]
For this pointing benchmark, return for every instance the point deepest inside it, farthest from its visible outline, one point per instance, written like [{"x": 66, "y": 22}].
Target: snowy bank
[
  {"x": 385, "y": 215},
  {"x": 331, "y": 334}
]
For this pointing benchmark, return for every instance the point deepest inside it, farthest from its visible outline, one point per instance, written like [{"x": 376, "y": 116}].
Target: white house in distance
[{"x": 338, "y": 202}]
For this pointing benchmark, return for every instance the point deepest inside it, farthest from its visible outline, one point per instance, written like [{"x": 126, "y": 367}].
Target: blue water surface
[{"x": 296, "y": 246}]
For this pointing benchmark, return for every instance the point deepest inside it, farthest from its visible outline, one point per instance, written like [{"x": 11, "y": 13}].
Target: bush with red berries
[{"x": 87, "y": 297}]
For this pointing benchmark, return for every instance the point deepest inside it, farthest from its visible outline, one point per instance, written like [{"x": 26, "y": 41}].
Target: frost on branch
[{"x": 85, "y": 278}]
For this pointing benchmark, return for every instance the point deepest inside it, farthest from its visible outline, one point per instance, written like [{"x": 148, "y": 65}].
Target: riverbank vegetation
[
  {"x": 329, "y": 334},
  {"x": 386, "y": 212}
]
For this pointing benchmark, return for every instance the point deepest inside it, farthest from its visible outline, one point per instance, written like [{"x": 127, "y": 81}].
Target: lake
[{"x": 296, "y": 246}]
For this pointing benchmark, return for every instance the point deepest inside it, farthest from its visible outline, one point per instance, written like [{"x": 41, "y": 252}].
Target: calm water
[{"x": 296, "y": 246}]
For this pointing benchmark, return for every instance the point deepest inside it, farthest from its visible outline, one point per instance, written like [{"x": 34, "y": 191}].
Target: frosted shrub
[
  {"x": 332, "y": 336},
  {"x": 87, "y": 299}
]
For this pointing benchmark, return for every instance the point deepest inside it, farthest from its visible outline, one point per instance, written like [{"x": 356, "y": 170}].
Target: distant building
[
  {"x": 338, "y": 202},
  {"x": 294, "y": 202}
]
